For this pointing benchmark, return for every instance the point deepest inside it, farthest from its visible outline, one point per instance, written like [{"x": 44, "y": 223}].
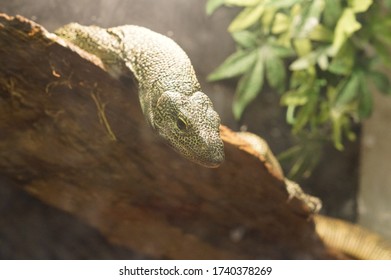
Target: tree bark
[{"x": 75, "y": 138}]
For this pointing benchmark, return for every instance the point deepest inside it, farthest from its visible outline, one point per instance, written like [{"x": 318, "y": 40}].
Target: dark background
[{"x": 207, "y": 43}]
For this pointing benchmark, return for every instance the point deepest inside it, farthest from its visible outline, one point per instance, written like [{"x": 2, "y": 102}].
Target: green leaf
[
  {"x": 342, "y": 63},
  {"x": 350, "y": 90},
  {"x": 301, "y": 63},
  {"x": 346, "y": 26},
  {"x": 245, "y": 39},
  {"x": 275, "y": 72},
  {"x": 267, "y": 21},
  {"x": 381, "y": 30},
  {"x": 338, "y": 123},
  {"x": 303, "y": 46},
  {"x": 332, "y": 93},
  {"x": 281, "y": 23},
  {"x": 290, "y": 153},
  {"x": 306, "y": 112},
  {"x": 308, "y": 19},
  {"x": 243, "y": 3},
  {"x": 297, "y": 166},
  {"x": 360, "y": 6},
  {"x": 290, "y": 114},
  {"x": 383, "y": 51},
  {"x": 309, "y": 59},
  {"x": 339, "y": 68},
  {"x": 294, "y": 98},
  {"x": 332, "y": 13},
  {"x": 381, "y": 81},
  {"x": 304, "y": 62},
  {"x": 248, "y": 87},
  {"x": 301, "y": 78},
  {"x": 235, "y": 65},
  {"x": 282, "y": 51},
  {"x": 316, "y": 9},
  {"x": 324, "y": 112},
  {"x": 323, "y": 61},
  {"x": 321, "y": 33},
  {"x": 282, "y": 4},
  {"x": 213, "y": 5},
  {"x": 302, "y": 157},
  {"x": 366, "y": 101},
  {"x": 246, "y": 18}
]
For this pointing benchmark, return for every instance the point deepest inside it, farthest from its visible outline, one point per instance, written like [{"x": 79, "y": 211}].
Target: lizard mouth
[
  {"x": 213, "y": 157},
  {"x": 212, "y": 164},
  {"x": 216, "y": 161}
]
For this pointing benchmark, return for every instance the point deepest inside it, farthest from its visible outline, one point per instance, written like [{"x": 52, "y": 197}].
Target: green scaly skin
[{"x": 169, "y": 93}]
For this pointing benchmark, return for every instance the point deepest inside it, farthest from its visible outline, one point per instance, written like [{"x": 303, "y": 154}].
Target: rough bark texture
[{"x": 59, "y": 115}]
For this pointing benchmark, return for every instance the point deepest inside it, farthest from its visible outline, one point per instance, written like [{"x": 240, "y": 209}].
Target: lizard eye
[{"x": 181, "y": 124}]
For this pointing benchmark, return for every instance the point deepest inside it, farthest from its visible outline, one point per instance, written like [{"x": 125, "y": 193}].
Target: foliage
[{"x": 322, "y": 56}]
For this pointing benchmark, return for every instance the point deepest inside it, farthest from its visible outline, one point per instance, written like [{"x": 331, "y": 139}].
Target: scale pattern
[{"x": 169, "y": 92}]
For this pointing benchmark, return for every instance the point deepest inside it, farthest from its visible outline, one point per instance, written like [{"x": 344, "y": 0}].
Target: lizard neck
[{"x": 158, "y": 64}]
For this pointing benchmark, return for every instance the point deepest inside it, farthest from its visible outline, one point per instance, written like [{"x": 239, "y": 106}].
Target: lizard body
[
  {"x": 179, "y": 112},
  {"x": 169, "y": 93}
]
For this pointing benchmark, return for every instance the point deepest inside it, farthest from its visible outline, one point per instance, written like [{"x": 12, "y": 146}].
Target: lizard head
[{"x": 190, "y": 125}]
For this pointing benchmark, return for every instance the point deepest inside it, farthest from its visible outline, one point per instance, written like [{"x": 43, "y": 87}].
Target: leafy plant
[{"x": 322, "y": 56}]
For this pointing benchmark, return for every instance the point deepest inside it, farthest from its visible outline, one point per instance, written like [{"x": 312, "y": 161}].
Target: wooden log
[{"x": 75, "y": 138}]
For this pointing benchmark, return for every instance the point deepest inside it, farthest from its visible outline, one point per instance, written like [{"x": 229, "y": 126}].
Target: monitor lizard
[
  {"x": 177, "y": 110},
  {"x": 169, "y": 92}
]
